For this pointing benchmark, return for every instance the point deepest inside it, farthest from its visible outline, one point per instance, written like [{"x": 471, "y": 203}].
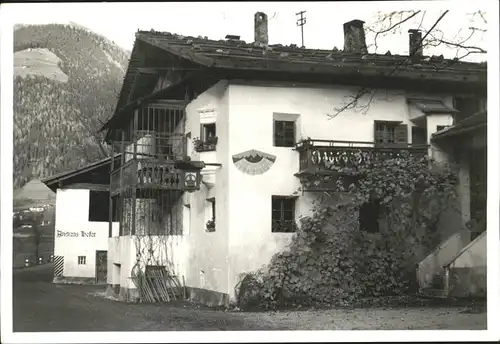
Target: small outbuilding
[{"x": 82, "y": 223}]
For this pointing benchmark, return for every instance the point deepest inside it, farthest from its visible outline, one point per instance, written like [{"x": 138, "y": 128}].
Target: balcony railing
[
  {"x": 325, "y": 155},
  {"x": 147, "y": 174}
]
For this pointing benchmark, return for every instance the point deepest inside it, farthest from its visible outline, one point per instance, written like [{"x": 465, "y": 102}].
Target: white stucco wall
[
  {"x": 473, "y": 255},
  {"x": 243, "y": 240},
  {"x": 207, "y": 265},
  {"x": 199, "y": 256},
  {"x": 72, "y": 213},
  {"x": 251, "y": 111},
  {"x": 123, "y": 252},
  {"x": 433, "y": 121}
]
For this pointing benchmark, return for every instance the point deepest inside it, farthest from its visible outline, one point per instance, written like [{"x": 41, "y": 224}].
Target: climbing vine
[
  {"x": 332, "y": 261},
  {"x": 156, "y": 239}
]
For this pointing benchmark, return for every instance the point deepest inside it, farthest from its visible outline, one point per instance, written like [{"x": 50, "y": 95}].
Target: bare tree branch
[
  {"x": 481, "y": 14},
  {"x": 365, "y": 91},
  {"x": 392, "y": 27}
]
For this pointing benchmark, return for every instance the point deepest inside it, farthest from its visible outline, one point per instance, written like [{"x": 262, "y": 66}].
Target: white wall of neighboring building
[{"x": 75, "y": 235}]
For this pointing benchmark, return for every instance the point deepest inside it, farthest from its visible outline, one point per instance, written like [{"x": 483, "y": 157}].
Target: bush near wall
[{"x": 331, "y": 261}]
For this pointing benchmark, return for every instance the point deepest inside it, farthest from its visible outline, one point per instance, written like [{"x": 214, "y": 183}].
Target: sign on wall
[{"x": 79, "y": 234}]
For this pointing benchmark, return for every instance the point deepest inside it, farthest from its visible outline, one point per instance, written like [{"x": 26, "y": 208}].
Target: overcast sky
[{"x": 323, "y": 30}]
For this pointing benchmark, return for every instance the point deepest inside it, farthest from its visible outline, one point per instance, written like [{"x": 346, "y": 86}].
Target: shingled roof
[
  {"x": 474, "y": 122},
  {"x": 237, "y": 55}
]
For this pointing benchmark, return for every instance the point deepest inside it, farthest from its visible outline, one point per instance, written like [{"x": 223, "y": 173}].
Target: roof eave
[
  {"x": 68, "y": 174},
  {"x": 184, "y": 53}
]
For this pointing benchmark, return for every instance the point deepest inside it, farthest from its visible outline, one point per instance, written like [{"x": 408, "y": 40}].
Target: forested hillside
[{"x": 56, "y": 118}]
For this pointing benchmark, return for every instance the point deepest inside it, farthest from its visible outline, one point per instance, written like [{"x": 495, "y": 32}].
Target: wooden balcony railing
[
  {"x": 325, "y": 155},
  {"x": 149, "y": 174}
]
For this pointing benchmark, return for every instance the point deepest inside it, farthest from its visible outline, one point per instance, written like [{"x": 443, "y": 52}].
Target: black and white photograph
[{"x": 249, "y": 171}]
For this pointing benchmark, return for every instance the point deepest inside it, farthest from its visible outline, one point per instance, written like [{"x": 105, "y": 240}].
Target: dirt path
[{"x": 41, "y": 306}]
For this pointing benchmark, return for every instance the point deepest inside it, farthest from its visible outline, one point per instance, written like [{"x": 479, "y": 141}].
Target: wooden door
[{"x": 101, "y": 266}]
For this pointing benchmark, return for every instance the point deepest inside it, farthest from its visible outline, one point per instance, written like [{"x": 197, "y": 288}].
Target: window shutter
[
  {"x": 294, "y": 133},
  {"x": 202, "y": 133},
  {"x": 378, "y": 136},
  {"x": 401, "y": 134}
]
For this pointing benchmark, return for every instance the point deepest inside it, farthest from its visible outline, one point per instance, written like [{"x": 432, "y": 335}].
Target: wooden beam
[
  {"x": 154, "y": 70},
  {"x": 133, "y": 87},
  {"x": 110, "y": 210},
  {"x": 87, "y": 186}
]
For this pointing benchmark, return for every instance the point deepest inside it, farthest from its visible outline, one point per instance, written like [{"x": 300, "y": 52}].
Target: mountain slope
[{"x": 66, "y": 82}]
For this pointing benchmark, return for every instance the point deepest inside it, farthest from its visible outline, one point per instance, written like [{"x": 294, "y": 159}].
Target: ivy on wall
[{"x": 331, "y": 261}]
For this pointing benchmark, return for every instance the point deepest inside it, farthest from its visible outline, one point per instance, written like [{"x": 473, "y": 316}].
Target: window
[
  {"x": 369, "y": 214},
  {"x": 390, "y": 133},
  {"x": 284, "y": 133},
  {"x": 82, "y": 260},
  {"x": 186, "y": 218},
  {"x": 208, "y": 138},
  {"x": 99, "y": 206},
  {"x": 283, "y": 214},
  {"x": 210, "y": 215},
  {"x": 208, "y": 131}
]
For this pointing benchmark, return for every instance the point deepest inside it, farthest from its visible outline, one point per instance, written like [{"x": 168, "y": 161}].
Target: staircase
[{"x": 454, "y": 269}]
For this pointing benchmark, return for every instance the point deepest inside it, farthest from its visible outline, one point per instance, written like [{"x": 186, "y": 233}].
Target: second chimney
[
  {"x": 260, "y": 28},
  {"x": 415, "y": 43},
  {"x": 354, "y": 37}
]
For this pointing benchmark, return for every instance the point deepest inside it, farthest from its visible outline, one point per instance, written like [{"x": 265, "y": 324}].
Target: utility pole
[{"x": 301, "y": 22}]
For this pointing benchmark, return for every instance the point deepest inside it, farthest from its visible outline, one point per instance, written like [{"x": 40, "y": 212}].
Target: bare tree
[{"x": 392, "y": 23}]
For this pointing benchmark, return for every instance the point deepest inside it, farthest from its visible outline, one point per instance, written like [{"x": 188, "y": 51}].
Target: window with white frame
[
  {"x": 210, "y": 214},
  {"x": 283, "y": 214},
  {"x": 284, "y": 129},
  {"x": 208, "y": 133}
]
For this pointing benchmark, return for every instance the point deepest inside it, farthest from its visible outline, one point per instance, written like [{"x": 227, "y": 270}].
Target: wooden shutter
[
  {"x": 377, "y": 134},
  {"x": 202, "y": 133},
  {"x": 401, "y": 135}
]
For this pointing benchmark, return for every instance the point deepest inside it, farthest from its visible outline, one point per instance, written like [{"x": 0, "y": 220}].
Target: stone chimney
[
  {"x": 260, "y": 28},
  {"x": 415, "y": 43},
  {"x": 354, "y": 37}
]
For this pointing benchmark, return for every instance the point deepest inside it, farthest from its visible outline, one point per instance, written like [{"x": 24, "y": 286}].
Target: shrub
[{"x": 331, "y": 261}]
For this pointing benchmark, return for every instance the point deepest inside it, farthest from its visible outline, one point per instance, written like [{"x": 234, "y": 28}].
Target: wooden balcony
[
  {"x": 155, "y": 174},
  {"x": 330, "y": 157}
]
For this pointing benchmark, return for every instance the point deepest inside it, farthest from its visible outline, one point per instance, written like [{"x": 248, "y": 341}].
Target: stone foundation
[
  {"x": 203, "y": 296},
  {"x": 130, "y": 295},
  {"x": 208, "y": 297},
  {"x": 74, "y": 280}
]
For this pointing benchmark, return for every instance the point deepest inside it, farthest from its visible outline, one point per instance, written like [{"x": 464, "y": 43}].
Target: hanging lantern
[
  {"x": 191, "y": 175},
  {"x": 191, "y": 180}
]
